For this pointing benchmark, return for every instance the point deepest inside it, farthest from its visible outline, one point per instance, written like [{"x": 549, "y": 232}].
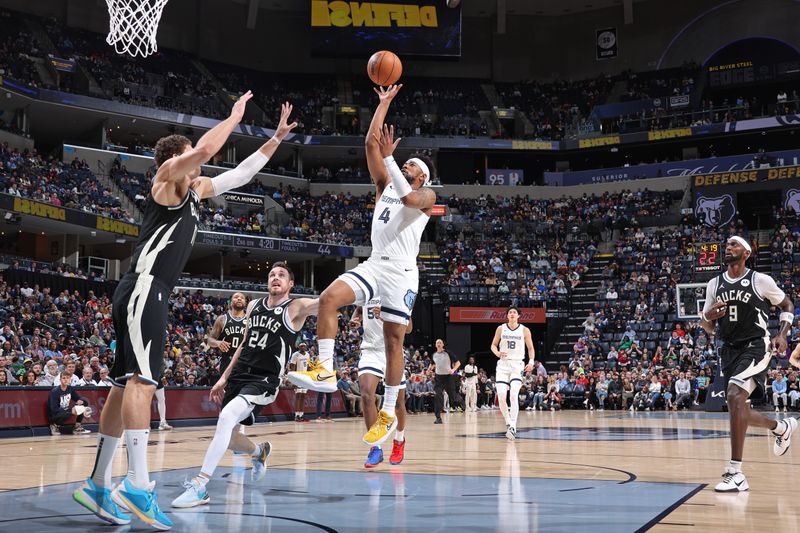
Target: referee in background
[{"x": 446, "y": 366}]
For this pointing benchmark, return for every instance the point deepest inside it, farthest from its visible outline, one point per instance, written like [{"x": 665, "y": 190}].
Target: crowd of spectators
[
  {"x": 555, "y": 108},
  {"x": 28, "y": 174},
  {"x": 525, "y": 251},
  {"x": 167, "y": 80},
  {"x": 17, "y": 47}
]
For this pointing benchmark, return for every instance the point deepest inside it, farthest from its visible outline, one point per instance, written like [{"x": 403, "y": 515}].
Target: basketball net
[{"x": 133, "y": 25}]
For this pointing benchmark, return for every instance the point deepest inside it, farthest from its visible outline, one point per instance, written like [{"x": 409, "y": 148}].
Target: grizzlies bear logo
[{"x": 715, "y": 212}]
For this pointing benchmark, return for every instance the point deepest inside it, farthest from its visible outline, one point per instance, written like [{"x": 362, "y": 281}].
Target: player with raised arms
[
  {"x": 140, "y": 309},
  {"x": 403, "y": 204}
]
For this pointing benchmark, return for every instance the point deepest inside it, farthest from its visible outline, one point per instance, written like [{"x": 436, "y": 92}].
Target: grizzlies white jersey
[
  {"x": 512, "y": 341},
  {"x": 373, "y": 328},
  {"x": 396, "y": 229}
]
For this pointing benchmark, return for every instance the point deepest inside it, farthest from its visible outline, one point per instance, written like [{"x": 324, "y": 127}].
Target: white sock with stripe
[{"x": 326, "y": 353}]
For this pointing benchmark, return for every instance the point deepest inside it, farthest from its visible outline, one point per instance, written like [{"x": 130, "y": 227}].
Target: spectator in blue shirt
[{"x": 779, "y": 392}]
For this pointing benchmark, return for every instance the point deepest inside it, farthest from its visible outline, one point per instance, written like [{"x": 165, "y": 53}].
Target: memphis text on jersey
[{"x": 372, "y": 14}]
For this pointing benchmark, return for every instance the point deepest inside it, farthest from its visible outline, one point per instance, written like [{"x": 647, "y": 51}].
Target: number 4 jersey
[
  {"x": 748, "y": 300},
  {"x": 270, "y": 340}
]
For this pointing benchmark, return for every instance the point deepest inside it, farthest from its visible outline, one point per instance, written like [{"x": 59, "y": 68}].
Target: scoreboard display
[{"x": 708, "y": 257}]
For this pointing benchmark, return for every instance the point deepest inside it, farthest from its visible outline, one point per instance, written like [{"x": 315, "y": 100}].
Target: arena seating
[{"x": 29, "y": 175}]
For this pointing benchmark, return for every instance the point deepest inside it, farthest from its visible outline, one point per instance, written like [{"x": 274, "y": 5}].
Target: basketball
[{"x": 384, "y": 68}]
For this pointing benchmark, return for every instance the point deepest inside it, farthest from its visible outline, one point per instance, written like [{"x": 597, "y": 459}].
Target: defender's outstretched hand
[
  {"x": 284, "y": 127},
  {"x": 238, "y": 108}
]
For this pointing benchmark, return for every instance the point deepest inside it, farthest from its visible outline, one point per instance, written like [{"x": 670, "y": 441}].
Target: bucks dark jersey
[
  {"x": 166, "y": 238},
  {"x": 747, "y": 313},
  {"x": 270, "y": 340},
  {"x": 233, "y": 332}
]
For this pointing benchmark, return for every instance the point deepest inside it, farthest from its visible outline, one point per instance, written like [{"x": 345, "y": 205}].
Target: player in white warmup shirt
[
  {"x": 509, "y": 343},
  {"x": 299, "y": 362},
  {"x": 403, "y": 206}
]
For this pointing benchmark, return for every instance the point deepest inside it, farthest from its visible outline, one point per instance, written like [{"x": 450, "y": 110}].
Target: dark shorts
[
  {"x": 140, "y": 308},
  {"x": 257, "y": 389},
  {"x": 746, "y": 365},
  {"x": 62, "y": 417}
]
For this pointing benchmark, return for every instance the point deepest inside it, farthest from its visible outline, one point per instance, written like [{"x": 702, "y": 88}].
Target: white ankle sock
[
  {"x": 736, "y": 465},
  {"x": 136, "y": 440},
  {"x": 106, "y": 447},
  {"x": 781, "y": 428},
  {"x": 202, "y": 479},
  {"x": 326, "y": 353},
  {"x": 390, "y": 398},
  {"x": 400, "y": 436}
]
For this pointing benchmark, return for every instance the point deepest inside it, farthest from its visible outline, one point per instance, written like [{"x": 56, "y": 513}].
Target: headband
[
  {"x": 744, "y": 243},
  {"x": 421, "y": 164}
]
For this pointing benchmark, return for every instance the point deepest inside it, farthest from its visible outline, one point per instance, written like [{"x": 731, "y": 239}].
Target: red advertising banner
[
  {"x": 496, "y": 315},
  {"x": 22, "y": 408}
]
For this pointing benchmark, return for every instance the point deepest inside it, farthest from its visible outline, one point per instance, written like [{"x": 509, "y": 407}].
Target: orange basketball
[{"x": 384, "y": 68}]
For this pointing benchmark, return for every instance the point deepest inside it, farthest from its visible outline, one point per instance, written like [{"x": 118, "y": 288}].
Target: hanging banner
[
  {"x": 606, "y": 43},
  {"x": 791, "y": 200},
  {"x": 715, "y": 211}
]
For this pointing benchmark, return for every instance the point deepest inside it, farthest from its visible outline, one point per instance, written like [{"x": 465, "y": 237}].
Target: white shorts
[
  {"x": 395, "y": 280},
  {"x": 508, "y": 371},
  {"x": 374, "y": 362}
]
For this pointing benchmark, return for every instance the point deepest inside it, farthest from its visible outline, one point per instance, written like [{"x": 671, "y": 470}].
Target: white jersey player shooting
[{"x": 403, "y": 206}]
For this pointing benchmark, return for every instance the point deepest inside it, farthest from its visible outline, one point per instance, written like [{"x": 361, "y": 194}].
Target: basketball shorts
[
  {"x": 374, "y": 362},
  {"x": 746, "y": 365},
  {"x": 508, "y": 371},
  {"x": 139, "y": 312},
  {"x": 257, "y": 389},
  {"x": 395, "y": 280}
]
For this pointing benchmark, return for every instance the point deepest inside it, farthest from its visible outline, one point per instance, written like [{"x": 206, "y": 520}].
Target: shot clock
[{"x": 708, "y": 257}]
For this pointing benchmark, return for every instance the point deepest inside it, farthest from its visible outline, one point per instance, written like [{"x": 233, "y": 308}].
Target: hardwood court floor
[{"x": 567, "y": 471}]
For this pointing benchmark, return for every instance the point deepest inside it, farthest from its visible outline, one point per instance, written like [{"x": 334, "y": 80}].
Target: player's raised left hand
[
  {"x": 386, "y": 141},
  {"x": 284, "y": 127}
]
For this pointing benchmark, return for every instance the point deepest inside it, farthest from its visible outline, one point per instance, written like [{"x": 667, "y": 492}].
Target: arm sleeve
[
  {"x": 241, "y": 175},
  {"x": 711, "y": 289},
  {"x": 766, "y": 287}
]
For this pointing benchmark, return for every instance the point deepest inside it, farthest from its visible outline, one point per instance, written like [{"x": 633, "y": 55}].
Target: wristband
[
  {"x": 786, "y": 316},
  {"x": 398, "y": 180}
]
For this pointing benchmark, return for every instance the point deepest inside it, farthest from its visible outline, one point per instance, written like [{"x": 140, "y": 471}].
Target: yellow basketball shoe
[
  {"x": 381, "y": 429},
  {"x": 317, "y": 378}
]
